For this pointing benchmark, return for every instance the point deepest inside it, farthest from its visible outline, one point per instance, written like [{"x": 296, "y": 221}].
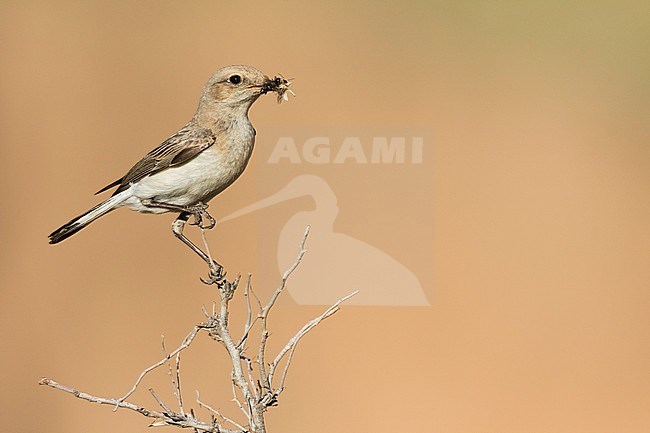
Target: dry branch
[
  {"x": 253, "y": 391},
  {"x": 170, "y": 418}
]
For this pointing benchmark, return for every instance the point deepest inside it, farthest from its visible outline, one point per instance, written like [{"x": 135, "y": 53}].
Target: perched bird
[{"x": 195, "y": 164}]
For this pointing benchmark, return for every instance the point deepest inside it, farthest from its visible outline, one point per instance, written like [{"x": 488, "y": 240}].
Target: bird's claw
[
  {"x": 211, "y": 222},
  {"x": 199, "y": 211},
  {"x": 216, "y": 275}
]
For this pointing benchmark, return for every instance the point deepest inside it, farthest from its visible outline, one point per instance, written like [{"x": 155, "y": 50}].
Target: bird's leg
[
  {"x": 216, "y": 275},
  {"x": 177, "y": 228},
  {"x": 198, "y": 211}
]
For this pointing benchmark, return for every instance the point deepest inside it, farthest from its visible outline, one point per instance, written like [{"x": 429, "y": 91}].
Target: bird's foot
[
  {"x": 216, "y": 275},
  {"x": 200, "y": 211}
]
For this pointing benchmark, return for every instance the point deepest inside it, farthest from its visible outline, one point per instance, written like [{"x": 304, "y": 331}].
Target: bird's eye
[{"x": 235, "y": 79}]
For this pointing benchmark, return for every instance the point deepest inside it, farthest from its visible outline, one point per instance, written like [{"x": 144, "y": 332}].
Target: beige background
[{"x": 540, "y": 268}]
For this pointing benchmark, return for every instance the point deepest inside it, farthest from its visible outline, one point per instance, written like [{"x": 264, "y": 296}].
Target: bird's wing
[{"x": 176, "y": 150}]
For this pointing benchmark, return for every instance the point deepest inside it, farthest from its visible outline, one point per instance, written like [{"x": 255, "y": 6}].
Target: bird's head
[{"x": 237, "y": 85}]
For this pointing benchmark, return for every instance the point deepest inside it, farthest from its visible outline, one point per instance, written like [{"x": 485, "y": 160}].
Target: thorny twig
[{"x": 256, "y": 388}]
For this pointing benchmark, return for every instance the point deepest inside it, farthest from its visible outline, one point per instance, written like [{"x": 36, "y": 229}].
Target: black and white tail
[{"x": 83, "y": 220}]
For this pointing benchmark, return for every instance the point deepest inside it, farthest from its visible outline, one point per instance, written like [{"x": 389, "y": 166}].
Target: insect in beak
[{"x": 279, "y": 85}]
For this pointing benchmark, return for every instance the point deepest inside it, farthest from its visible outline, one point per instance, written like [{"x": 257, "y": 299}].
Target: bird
[{"x": 196, "y": 163}]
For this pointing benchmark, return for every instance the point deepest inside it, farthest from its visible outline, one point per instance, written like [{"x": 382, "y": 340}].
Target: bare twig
[
  {"x": 163, "y": 418},
  {"x": 265, "y": 312},
  {"x": 166, "y": 408},
  {"x": 249, "y": 313},
  {"x": 205, "y": 243},
  {"x": 257, "y": 301},
  {"x": 219, "y": 414},
  {"x": 236, "y": 400},
  {"x": 251, "y": 379},
  {"x": 287, "y": 273},
  {"x": 177, "y": 382},
  {"x": 174, "y": 377},
  {"x": 249, "y": 310},
  {"x": 186, "y": 343},
  {"x": 293, "y": 342},
  {"x": 283, "y": 378}
]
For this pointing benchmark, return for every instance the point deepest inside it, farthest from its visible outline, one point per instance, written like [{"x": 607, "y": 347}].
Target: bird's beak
[{"x": 268, "y": 86}]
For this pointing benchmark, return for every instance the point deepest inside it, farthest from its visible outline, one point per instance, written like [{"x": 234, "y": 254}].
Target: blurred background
[{"x": 530, "y": 232}]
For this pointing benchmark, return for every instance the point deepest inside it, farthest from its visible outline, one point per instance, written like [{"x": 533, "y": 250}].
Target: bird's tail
[{"x": 72, "y": 227}]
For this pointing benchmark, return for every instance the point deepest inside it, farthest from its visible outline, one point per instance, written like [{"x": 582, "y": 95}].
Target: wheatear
[{"x": 198, "y": 162}]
